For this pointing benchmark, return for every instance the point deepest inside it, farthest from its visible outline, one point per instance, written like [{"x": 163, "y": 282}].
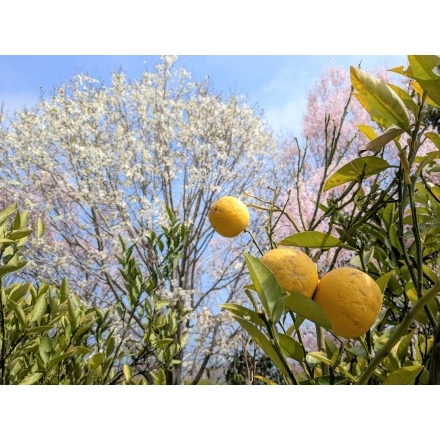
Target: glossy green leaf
[
  {"x": 269, "y": 291},
  {"x": 434, "y": 138},
  {"x": 40, "y": 227},
  {"x": 19, "y": 291},
  {"x": 110, "y": 346},
  {"x": 39, "y": 309},
  {"x": 367, "y": 131},
  {"x": 265, "y": 380},
  {"x": 7, "y": 212},
  {"x": 96, "y": 360},
  {"x": 263, "y": 342},
  {"x": 244, "y": 312},
  {"x": 57, "y": 360},
  {"x": 403, "y": 376},
  {"x": 313, "y": 240},
  {"x": 291, "y": 347},
  {"x": 64, "y": 290},
  {"x": 307, "y": 308},
  {"x": 16, "y": 235},
  {"x": 19, "y": 313},
  {"x": 30, "y": 379},
  {"x": 12, "y": 266},
  {"x": 384, "y": 138},
  {"x": 423, "y": 70},
  {"x": 357, "y": 168},
  {"x": 72, "y": 314},
  {"x": 404, "y": 344},
  {"x": 381, "y": 102},
  {"x": 44, "y": 348},
  {"x": 128, "y": 372},
  {"x": 382, "y": 281}
]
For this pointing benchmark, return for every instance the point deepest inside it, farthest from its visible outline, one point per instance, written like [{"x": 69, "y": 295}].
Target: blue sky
[{"x": 277, "y": 84}]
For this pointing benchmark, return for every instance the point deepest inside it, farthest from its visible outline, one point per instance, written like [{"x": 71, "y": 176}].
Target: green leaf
[
  {"x": 307, "y": 308},
  {"x": 19, "y": 313},
  {"x": 110, "y": 346},
  {"x": 403, "y": 376},
  {"x": 39, "y": 309},
  {"x": 402, "y": 349},
  {"x": 19, "y": 291},
  {"x": 58, "y": 359},
  {"x": 423, "y": 70},
  {"x": 434, "y": 138},
  {"x": 64, "y": 290},
  {"x": 264, "y": 343},
  {"x": 380, "y": 141},
  {"x": 382, "y": 103},
  {"x": 164, "y": 342},
  {"x": 72, "y": 314},
  {"x": 313, "y": 240},
  {"x": 80, "y": 350},
  {"x": 265, "y": 380},
  {"x": 382, "y": 281},
  {"x": 7, "y": 212},
  {"x": 269, "y": 291},
  {"x": 16, "y": 235},
  {"x": 357, "y": 168},
  {"x": 31, "y": 379},
  {"x": 128, "y": 372},
  {"x": 291, "y": 347},
  {"x": 244, "y": 312},
  {"x": 367, "y": 131},
  {"x": 12, "y": 266},
  {"x": 40, "y": 227},
  {"x": 96, "y": 360},
  {"x": 44, "y": 348}
]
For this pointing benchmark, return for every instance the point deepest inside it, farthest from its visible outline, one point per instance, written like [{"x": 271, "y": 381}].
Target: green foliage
[{"x": 49, "y": 336}]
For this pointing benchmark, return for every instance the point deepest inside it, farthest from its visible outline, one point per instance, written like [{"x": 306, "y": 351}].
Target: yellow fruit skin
[
  {"x": 351, "y": 299},
  {"x": 294, "y": 270},
  {"x": 229, "y": 216}
]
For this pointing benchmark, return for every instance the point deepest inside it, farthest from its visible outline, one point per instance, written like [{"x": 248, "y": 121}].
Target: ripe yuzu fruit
[
  {"x": 351, "y": 299},
  {"x": 229, "y": 216},
  {"x": 293, "y": 269}
]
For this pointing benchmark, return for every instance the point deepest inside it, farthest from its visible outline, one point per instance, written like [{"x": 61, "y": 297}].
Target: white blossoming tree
[{"x": 98, "y": 161}]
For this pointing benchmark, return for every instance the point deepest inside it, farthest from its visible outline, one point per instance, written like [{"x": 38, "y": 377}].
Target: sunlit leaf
[
  {"x": 39, "y": 309},
  {"x": 128, "y": 372},
  {"x": 269, "y": 291},
  {"x": 423, "y": 70},
  {"x": 434, "y": 138},
  {"x": 307, "y": 308},
  {"x": 379, "y": 99},
  {"x": 291, "y": 347},
  {"x": 7, "y": 212},
  {"x": 404, "y": 375},
  {"x": 357, "y": 168},
  {"x": 367, "y": 131},
  {"x": 382, "y": 281},
  {"x": 244, "y": 312},
  {"x": 265, "y": 380},
  {"x": 31, "y": 379},
  {"x": 313, "y": 240},
  {"x": 387, "y": 136},
  {"x": 96, "y": 360}
]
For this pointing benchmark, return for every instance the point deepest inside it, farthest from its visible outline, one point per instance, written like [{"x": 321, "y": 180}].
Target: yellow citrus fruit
[
  {"x": 351, "y": 299},
  {"x": 293, "y": 269},
  {"x": 229, "y": 216}
]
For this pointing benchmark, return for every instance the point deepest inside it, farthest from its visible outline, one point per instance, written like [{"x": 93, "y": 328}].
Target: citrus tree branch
[{"x": 401, "y": 330}]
